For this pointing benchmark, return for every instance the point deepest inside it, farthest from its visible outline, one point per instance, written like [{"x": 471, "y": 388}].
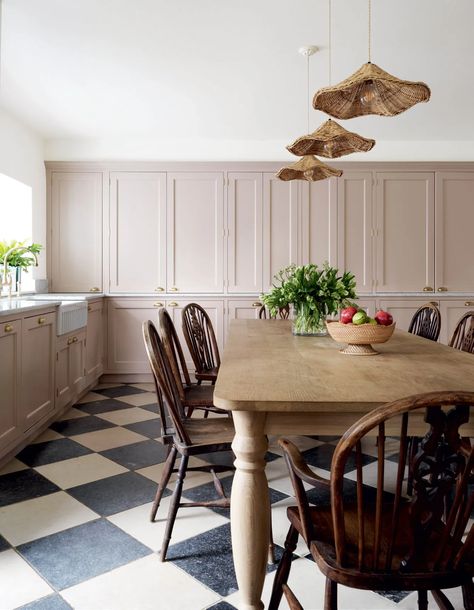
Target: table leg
[{"x": 250, "y": 508}]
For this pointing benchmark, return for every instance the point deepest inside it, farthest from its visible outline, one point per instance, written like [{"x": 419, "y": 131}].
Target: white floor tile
[
  {"x": 193, "y": 479},
  {"x": 72, "y": 414},
  {"x": 127, "y": 416},
  {"x": 148, "y": 387},
  {"x": 101, "y": 440},
  {"x": 91, "y": 396},
  {"x": 40, "y": 517},
  {"x": 106, "y": 386},
  {"x": 13, "y": 466},
  {"x": 189, "y": 522},
  {"x": 80, "y": 470},
  {"x": 279, "y": 479},
  {"x": 138, "y": 400},
  {"x": 47, "y": 435},
  {"x": 145, "y": 584},
  {"x": 370, "y": 473},
  {"x": 302, "y": 442},
  {"x": 19, "y": 583},
  {"x": 280, "y": 525},
  {"x": 411, "y": 601}
]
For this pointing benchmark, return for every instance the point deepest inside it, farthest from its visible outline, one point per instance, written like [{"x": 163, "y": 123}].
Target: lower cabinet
[
  {"x": 402, "y": 310},
  {"x": 38, "y": 348},
  {"x": 10, "y": 367},
  {"x": 451, "y": 312},
  {"x": 94, "y": 341},
  {"x": 70, "y": 367},
  {"x": 240, "y": 309}
]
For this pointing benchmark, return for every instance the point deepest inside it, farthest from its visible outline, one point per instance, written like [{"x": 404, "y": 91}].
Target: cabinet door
[
  {"x": 195, "y": 217},
  {"x": 63, "y": 376},
  {"x": 94, "y": 341},
  {"x": 137, "y": 232},
  {"x": 368, "y": 305},
  {"x": 77, "y": 369},
  {"x": 244, "y": 219},
  {"x": 319, "y": 222},
  {"x": 37, "y": 375},
  {"x": 454, "y": 222},
  {"x": 280, "y": 222},
  {"x": 126, "y": 349},
  {"x": 10, "y": 367},
  {"x": 402, "y": 310},
  {"x": 451, "y": 313},
  {"x": 76, "y": 231},
  {"x": 240, "y": 309},
  {"x": 405, "y": 231},
  {"x": 354, "y": 235}
]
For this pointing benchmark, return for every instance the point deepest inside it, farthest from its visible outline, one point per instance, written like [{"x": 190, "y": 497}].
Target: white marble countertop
[{"x": 21, "y": 305}]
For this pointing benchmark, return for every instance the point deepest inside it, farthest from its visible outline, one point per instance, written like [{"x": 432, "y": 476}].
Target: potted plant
[
  {"x": 314, "y": 292},
  {"x": 20, "y": 257}
]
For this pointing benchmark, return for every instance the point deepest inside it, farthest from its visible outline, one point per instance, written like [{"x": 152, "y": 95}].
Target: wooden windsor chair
[
  {"x": 201, "y": 341},
  {"x": 422, "y": 542},
  {"x": 463, "y": 336},
  {"x": 283, "y": 313},
  {"x": 426, "y": 322}
]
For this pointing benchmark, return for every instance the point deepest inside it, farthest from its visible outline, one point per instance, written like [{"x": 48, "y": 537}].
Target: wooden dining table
[{"x": 276, "y": 383}]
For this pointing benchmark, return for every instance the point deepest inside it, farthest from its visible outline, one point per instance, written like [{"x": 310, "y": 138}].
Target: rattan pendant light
[
  {"x": 308, "y": 168},
  {"x": 370, "y": 90}
]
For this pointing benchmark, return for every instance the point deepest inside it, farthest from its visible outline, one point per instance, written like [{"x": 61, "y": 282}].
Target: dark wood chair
[
  {"x": 201, "y": 341},
  {"x": 391, "y": 541},
  {"x": 426, "y": 322},
  {"x": 192, "y": 395},
  {"x": 463, "y": 336},
  {"x": 283, "y": 313},
  {"x": 185, "y": 436}
]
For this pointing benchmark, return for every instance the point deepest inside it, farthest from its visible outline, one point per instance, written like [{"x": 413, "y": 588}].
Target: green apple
[
  {"x": 359, "y": 318},
  {"x": 371, "y": 321}
]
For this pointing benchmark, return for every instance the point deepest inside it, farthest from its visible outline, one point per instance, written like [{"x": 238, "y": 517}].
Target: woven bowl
[{"x": 359, "y": 337}]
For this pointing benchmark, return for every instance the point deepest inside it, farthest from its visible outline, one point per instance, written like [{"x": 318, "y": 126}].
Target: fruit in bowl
[
  {"x": 383, "y": 318},
  {"x": 361, "y": 331},
  {"x": 347, "y": 314}
]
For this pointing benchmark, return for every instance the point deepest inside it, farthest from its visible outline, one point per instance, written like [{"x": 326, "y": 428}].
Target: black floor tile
[
  {"x": 150, "y": 428},
  {"x": 4, "y": 544},
  {"x": 394, "y": 596},
  {"x": 222, "y": 606},
  {"x": 51, "y": 602},
  {"x": 115, "y": 494},
  {"x": 24, "y": 485},
  {"x": 320, "y": 495},
  {"x": 208, "y": 558},
  {"x": 137, "y": 455},
  {"x": 102, "y": 406},
  {"x": 40, "y": 454},
  {"x": 321, "y": 457},
  {"x": 79, "y": 553},
  {"x": 153, "y": 407},
  {"x": 123, "y": 390},
  {"x": 80, "y": 425}
]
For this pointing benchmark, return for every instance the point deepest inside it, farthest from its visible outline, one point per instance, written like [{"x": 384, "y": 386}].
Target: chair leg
[
  {"x": 413, "y": 443},
  {"x": 330, "y": 598},
  {"x": 293, "y": 603},
  {"x": 271, "y": 546},
  {"x": 283, "y": 570},
  {"x": 174, "y": 505},
  {"x": 165, "y": 477},
  {"x": 422, "y": 600},
  {"x": 442, "y": 601},
  {"x": 468, "y": 596}
]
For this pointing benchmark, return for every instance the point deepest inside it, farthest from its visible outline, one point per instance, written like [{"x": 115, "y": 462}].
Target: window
[{"x": 16, "y": 217}]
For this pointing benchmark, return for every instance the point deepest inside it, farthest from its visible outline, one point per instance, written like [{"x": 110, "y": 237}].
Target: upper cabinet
[
  {"x": 76, "y": 231},
  {"x": 137, "y": 245},
  {"x": 195, "y": 237},
  {"x": 404, "y": 226},
  {"x": 454, "y": 222},
  {"x": 319, "y": 222}
]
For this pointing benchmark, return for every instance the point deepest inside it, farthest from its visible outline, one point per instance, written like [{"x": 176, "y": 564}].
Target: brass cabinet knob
[
  {"x": 41, "y": 320},
  {"x": 427, "y": 289},
  {"x": 469, "y": 304},
  {"x": 94, "y": 289},
  {"x": 159, "y": 289},
  {"x": 8, "y": 328},
  {"x": 173, "y": 304},
  {"x": 89, "y": 308},
  {"x": 69, "y": 341},
  {"x": 256, "y": 304},
  {"x": 442, "y": 289},
  {"x": 158, "y": 304},
  {"x": 434, "y": 303},
  {"x": 174, "y": 289},
  {"x": 74, "y": 339}
]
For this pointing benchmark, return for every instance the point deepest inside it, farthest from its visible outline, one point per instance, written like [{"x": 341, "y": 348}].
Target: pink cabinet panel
[
  {"x": 10, "y": 367},
  {"x": 402, "y": 310},
  {"x": 318, "y": 226},
  {"x": 94, "y": 341},
  {"x": 451, "y": 312}
]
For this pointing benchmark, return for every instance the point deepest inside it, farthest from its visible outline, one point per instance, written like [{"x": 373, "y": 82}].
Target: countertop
[{"x": 11, "y": 306}]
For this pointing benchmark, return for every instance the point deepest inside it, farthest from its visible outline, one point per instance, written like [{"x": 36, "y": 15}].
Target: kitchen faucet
[{"x": 6, "y": 277}]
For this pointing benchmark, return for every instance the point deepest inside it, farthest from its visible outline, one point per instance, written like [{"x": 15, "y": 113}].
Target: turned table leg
[{"x": 250, "y": 508}]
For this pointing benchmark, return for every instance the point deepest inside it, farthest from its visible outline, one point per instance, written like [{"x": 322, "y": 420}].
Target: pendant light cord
[
  {"x": 329, "y": 42},
  {"x": 308, "y": 100},
  {"x": 370, "y": 31}
]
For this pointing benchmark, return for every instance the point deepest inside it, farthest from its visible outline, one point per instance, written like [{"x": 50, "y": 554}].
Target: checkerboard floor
[{"x": 75, "y": 529}]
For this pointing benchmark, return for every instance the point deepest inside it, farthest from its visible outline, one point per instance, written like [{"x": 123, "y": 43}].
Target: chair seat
[
  {"x": 215, "y": 433},
  {"x": 324, "y": 553},
  {"x": 208, "y": 375},
  {"x": 198, "y": 395}
]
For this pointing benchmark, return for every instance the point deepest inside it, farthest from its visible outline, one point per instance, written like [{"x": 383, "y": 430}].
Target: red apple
[
  {"x": 347, "y": 314},
  {"x": 383, "y": 318}
]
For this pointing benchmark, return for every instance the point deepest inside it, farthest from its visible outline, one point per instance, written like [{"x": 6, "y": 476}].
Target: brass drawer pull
[
  {"x": 442, "y": 289},
  {"x": 89, "y": 308},
  {"x": 158, "y": 304},
  {"x": 174, "y": 289},
  {"x": 173, "y": 304},
  {"x": 94, "y": 289},
  {"x": 159, "y": 289},
  {"x": 74, "y": 339},
  {"x": 427, "y": 289},
  {"x": 469, "y": 304},
  {"x": 69, "y": 341},
  {"x": 8, "y": 328},
  {"x": 434, "y": 303},
  {"x": 256, "y": 304},
  {"x": 41, "y": 320}
]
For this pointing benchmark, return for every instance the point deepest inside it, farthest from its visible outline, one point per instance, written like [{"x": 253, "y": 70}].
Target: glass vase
[{"x": 309, "y": 323}]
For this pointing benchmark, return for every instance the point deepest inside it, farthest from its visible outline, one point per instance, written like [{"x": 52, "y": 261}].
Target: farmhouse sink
[{"x": 71, "y": 314}]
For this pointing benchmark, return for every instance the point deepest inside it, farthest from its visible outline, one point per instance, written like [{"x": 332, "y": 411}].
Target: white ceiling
[{"x": 222, "y": 70}]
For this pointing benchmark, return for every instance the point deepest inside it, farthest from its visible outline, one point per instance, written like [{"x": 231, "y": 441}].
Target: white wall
[{"x": 22, "y": 158}]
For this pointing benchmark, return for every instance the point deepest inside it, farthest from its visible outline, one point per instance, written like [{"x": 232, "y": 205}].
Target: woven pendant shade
[
  {"x": 330, "y": 140},
  {"x": 370, "y": 90},
  {"x": 308, "y": 168}
]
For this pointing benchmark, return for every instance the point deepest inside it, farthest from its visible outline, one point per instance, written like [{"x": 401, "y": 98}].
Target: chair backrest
[
  {"x": 426, "y": 322},
  {"x": 422, "y": 533},
  {"x": 174, "y": 351},
  {"x": 167, "y": 390},
  {"x": 200, "y": 338},
  {"x": 463, "y": 336},
  {"x": 283, "y": 313}
]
